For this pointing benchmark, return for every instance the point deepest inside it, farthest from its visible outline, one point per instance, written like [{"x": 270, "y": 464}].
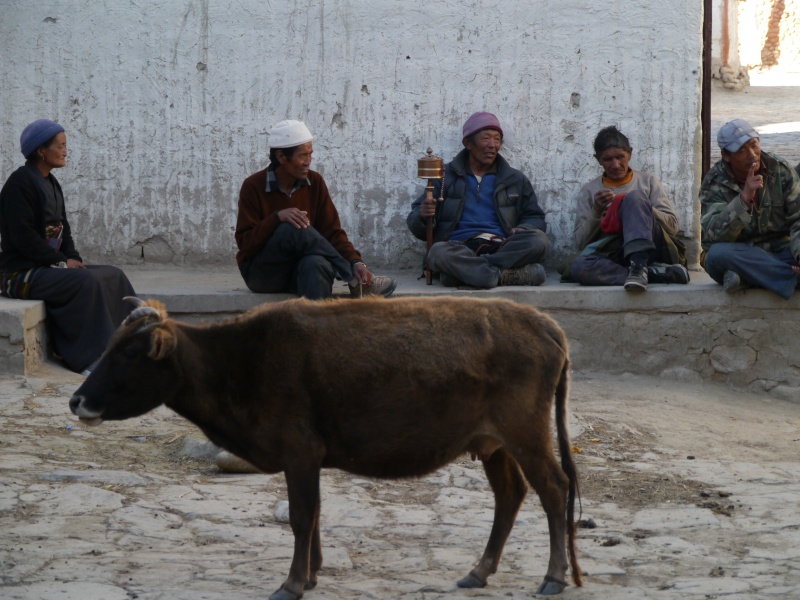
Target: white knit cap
[{"x": 288, "y": 134}]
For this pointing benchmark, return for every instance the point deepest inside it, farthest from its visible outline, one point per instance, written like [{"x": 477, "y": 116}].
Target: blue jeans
[
  {"x": 298, "y": 261},
  {"x": 457, "y": 260},
  {"x": 640, "y": 233},
  {"x": 760, "y": 268}
]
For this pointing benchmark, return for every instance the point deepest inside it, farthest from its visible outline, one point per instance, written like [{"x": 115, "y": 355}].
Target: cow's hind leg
[
  {"x": 509, "y": 492},
  {"x": 551, "y": 484}
]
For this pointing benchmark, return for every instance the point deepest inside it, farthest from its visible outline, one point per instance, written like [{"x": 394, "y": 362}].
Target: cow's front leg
[
  {"x": 316, "y": 554},
  {"x": 303, "y": 487}
]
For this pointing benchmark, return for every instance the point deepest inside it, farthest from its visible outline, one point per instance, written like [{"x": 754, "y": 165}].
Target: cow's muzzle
[{"x": 77, "y": 406}]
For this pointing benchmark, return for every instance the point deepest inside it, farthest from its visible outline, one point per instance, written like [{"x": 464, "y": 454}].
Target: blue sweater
[{"x": 479, "y": 214}]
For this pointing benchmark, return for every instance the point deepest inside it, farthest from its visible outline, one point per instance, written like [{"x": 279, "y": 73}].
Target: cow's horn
[
  {"x": 137, "y": 302},
  {"x": 142, "y": 312}
]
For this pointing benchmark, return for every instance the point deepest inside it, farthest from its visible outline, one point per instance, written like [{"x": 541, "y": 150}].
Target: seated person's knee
[
  {"x": 538, "y": 242},
  {"x": 315, "y": 264}
]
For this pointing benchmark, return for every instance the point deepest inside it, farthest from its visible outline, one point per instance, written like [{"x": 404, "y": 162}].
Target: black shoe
[
  {"x": 448, "y": 280},
  {"x": 637, "y": 278},
  {"x": 732, "y": 283},
  {"x": 663, "y": 273}
]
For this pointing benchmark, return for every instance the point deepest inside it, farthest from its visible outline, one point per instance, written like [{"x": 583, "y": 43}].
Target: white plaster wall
[
  {"x": 722, "y": 9},
  {"x": 167, "y": 105},
  {"x": 757, "y": 20}
]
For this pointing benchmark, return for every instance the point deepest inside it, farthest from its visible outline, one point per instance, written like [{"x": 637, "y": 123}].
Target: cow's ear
[{"x": 162, "y": 343}]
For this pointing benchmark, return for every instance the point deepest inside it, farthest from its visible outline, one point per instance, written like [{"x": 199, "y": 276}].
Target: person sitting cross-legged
[
  {"x": 625, "y": 226},
  {"x": 489, "y": 229},
  {"x": 750, "y": 216}
]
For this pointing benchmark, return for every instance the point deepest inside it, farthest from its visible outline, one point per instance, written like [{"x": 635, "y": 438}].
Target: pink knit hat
[{"x": 480, "y": 121}]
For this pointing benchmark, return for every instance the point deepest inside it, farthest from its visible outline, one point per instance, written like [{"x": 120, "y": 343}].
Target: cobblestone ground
[
  {"x": 772, "y": 107},
  {"x": 690, "y": 491}
]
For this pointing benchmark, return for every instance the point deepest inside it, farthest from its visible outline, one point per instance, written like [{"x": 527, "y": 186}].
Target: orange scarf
[{"x": 610, "y": 183}]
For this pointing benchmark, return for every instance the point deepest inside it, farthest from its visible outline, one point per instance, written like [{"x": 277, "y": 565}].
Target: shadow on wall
[{"x": 771, "y": 51}]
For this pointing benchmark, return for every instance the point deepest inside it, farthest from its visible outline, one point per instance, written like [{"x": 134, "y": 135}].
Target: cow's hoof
[
  {"x": 471, "y": 581},
  {"x": 310, "y": 584},
  {"x": 284, "y": 594},
  {"x": 551, "y": 586}
]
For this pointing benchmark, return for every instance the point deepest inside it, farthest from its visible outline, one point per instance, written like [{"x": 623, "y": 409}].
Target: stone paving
[
  {"x": 772, "y": 107},
  {"x": 136, "y": 510}
]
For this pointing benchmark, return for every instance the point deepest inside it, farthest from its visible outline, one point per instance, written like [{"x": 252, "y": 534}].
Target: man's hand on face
[
  {"x": 294, "y": 216},
  {"x": 752, "y": 184}
]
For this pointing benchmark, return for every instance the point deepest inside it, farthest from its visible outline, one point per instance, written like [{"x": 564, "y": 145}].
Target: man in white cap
[
  {"x": 750, "y": 204},
  {"x": 489, "y": 230},
  {"x": 288, "y": 230}
]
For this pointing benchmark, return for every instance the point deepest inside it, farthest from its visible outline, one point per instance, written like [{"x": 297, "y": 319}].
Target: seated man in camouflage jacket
[{"x": 750, "y": 204}]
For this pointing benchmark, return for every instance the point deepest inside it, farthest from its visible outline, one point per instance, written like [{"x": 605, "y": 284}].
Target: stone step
[
  {"x": 23, "y": 336},
  {"x": 694, "y": 332}
]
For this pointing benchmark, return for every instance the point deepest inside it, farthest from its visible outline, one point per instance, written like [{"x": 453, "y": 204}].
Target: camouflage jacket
[{"x": 773, "y": 225}]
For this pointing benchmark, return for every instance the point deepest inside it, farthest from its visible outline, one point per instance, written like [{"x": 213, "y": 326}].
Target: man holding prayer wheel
[{"x": 489, "y": 229}]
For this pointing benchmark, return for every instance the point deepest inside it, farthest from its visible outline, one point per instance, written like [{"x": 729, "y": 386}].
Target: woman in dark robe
[{"x": 39, "y": 261}]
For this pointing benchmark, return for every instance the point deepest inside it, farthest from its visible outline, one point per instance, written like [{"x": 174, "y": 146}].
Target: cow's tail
[{"x": 568, "y": 465}]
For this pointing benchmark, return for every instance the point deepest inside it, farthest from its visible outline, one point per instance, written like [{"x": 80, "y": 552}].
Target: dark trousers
[
  {"x": 640, "y": 233},
  {"x": 458, "y": 260},
  {"x": 758, "y": 267},
  {"x": 84, "y": 308},
  {"x": 297, "y": 261}
]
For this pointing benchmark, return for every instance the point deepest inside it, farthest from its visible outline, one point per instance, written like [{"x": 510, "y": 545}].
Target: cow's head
[{"x": 137, "y": 373}]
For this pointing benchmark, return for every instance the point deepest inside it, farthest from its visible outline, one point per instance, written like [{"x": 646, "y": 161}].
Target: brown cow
[{"x": 381, "y": 388}]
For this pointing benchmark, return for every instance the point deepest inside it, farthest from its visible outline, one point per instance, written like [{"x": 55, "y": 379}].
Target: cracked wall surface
[
  {"x": 748, "y": 348},
  {"x": 167, "y": 105}
]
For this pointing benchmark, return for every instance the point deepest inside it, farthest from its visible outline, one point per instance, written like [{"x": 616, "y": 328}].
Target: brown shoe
[
  {"x": 532, "y": 274},
  {"x": 380, "y": 286}
]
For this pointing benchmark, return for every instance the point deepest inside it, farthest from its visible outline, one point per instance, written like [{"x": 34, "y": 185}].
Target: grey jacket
[
  {"x": 514, "y": 201},
  {"x": 587, "y": 220}
]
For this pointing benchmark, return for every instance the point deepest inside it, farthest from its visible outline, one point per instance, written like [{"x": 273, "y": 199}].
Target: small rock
[
  {"x": 281, "y": 512},
  {"x": 230, "y": 463}
]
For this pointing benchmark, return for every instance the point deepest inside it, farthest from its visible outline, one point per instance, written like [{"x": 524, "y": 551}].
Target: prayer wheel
[{"x": 430, "y": 167}]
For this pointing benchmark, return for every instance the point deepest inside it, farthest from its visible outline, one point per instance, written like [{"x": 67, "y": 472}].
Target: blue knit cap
[{"x": 36, "y": 134}]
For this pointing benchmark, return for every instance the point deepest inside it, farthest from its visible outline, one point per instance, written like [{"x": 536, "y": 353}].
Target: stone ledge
[
  {"x": 22, "y": 336},
  {"x": 687, "y": 332}
]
